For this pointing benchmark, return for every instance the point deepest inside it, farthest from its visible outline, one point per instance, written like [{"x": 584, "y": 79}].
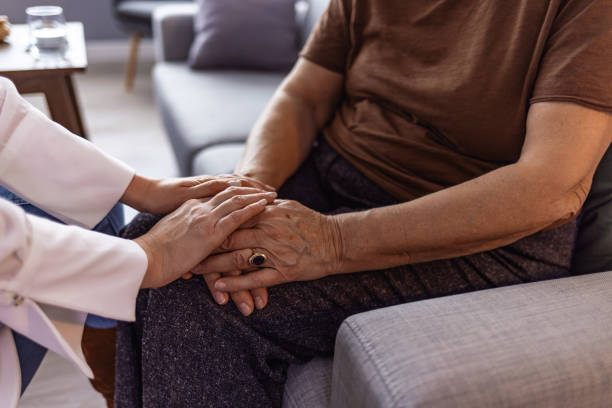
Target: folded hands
[{"x": 299, "y": 244}]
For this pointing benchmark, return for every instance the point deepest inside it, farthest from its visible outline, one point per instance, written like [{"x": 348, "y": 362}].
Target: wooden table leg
[
  {"x": 63, "y": 104},
  {"x": 132, "y": 65}
]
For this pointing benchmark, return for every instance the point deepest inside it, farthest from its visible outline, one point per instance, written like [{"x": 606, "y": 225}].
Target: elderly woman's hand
[
  {"x": 182, "y": 239},
  {"x": 298, "y": 243},
  {"x": 245, "y": 300},
  {"x": 162, "y": 196}
]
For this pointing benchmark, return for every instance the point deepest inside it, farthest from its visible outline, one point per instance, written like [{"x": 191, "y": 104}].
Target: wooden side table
[{"x": 50, "y": 75}]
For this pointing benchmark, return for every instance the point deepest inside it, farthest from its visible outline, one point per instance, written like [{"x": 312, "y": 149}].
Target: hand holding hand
[
  {"x": 183, "y": 238},
  {"x": 299, "y": 243},
  {"x": 162, "y": 196}
]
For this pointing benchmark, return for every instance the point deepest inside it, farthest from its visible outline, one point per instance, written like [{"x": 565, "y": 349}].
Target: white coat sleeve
[
  {"x": 69, "y": 177},
  {"x": 52, "y": 275},
  {"x": 54, "y": 169},
  {"x": 67, "y": 266}
]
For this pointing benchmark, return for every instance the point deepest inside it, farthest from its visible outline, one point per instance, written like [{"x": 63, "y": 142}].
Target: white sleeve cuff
[{"x": 77, "y": 269}]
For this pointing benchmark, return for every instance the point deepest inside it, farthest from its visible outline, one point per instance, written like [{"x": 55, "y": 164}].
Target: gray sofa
[
  {"x": 546, "y": 344},
  {"x": 227, "y": 101}
]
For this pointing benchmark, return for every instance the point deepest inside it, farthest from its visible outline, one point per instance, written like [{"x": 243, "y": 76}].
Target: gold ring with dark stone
[{"x": 257, "y": 259}]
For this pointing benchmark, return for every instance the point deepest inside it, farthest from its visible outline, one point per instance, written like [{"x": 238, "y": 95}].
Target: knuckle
[
  {"x": 194, "y": 214},
  {"x": 201, "y": 212},
  {"x": 285, "y": 203},
  {"x": 257, "y": 281},
  {"x": 239, "y": 260},
  {"x": 238, "y": 199},
  {"x": 274, "y": 211},
  {"x": 240, "y": 296},
  {"x": 213, "y": 183},
  {"x": 192, "y": 202},
  {"x": 200, "y": 218},
  {"x": 203, "y": 224},
  {"x": 226, "y": 244},
  {"x": 288, "y": 275},
  {"x": 210, "y": 280}
]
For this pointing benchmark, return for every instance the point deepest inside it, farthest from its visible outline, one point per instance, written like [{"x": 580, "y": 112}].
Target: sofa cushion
[
  {"x": 218, "y": 159},
  {"x": 173, "y": 31},
  {"x": 308, "y": 385},
  {"x": 247, "y": 34},
  {"x": 203, "y": 108},
  {"x": 544, "y": 344},
  {"x": 593, "y": 251}
]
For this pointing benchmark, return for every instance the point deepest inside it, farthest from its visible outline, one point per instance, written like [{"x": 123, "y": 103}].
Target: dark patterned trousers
[{"x": 184, "y": 350}]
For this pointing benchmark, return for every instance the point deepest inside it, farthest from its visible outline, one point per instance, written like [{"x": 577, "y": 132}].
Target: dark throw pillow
[
  {"x": 245, "y": 34},
  {"x": 593, "y": 251}
]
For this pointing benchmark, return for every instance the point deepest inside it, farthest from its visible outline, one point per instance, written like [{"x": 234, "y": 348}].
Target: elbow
[
  {"x": 569, "y": 205},
  {"x": 6, "y": 88}
]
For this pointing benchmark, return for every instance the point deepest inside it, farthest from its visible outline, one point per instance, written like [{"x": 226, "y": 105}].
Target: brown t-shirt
[{"x": 437, "y": 92}]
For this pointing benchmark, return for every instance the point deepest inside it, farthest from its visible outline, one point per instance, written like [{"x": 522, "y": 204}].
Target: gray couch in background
[
  {"x": 546, "y": 344},
  {"x": 208, "y": 114}
]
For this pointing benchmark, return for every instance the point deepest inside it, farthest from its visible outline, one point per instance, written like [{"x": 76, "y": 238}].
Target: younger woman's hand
[
  {"x": 162, "y": 196},
  {"x": 182, "y": 239}
]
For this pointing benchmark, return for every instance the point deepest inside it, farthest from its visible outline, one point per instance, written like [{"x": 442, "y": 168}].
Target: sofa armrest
[
  {"x": 173, "y": 31},
  {"x": 543, "y": 344}
]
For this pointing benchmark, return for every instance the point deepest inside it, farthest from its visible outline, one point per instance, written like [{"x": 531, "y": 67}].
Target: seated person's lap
[{"x": 181, "y": 322}]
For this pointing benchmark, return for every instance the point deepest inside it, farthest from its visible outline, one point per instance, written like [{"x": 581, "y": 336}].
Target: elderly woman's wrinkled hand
[{"x": 297, "y": 244}]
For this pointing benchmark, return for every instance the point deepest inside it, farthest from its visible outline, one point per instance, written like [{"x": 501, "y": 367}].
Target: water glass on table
[{"x": 47, "y": 26}]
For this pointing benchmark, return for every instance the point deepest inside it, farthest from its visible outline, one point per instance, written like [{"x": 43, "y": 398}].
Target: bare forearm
[
  {"x": 284, "y": 134},
  {"x": 280, "y": 141},
  {"x": 563, "y": 145},
  {"x": 488, "y": 212}
]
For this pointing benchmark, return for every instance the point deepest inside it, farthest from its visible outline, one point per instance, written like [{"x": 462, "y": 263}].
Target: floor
[{"x": 127, "y": 126}]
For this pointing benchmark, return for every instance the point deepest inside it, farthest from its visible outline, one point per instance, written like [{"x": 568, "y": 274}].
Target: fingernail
[
  {"x": 245, "y": 309},
  {"x": 261, "y": 202},
  {"x": 220, "y": 298},
  {"x": 220, "y": 285},
  {"x": 272, "y": 194},
  {"x": 259, "y": 303},
  {"x": 234, "y": 183}
]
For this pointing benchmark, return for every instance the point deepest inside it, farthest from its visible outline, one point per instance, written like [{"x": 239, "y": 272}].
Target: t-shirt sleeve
[
  {"x": 329, "y": 42},
  {"x": 577, "y": 62}
]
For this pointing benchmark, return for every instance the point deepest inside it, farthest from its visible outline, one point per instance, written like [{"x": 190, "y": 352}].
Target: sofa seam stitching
[{"x": 378, "y": 367}]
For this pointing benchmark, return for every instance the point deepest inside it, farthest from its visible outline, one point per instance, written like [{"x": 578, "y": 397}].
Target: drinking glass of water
[{"x": 47, "y": 28}]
